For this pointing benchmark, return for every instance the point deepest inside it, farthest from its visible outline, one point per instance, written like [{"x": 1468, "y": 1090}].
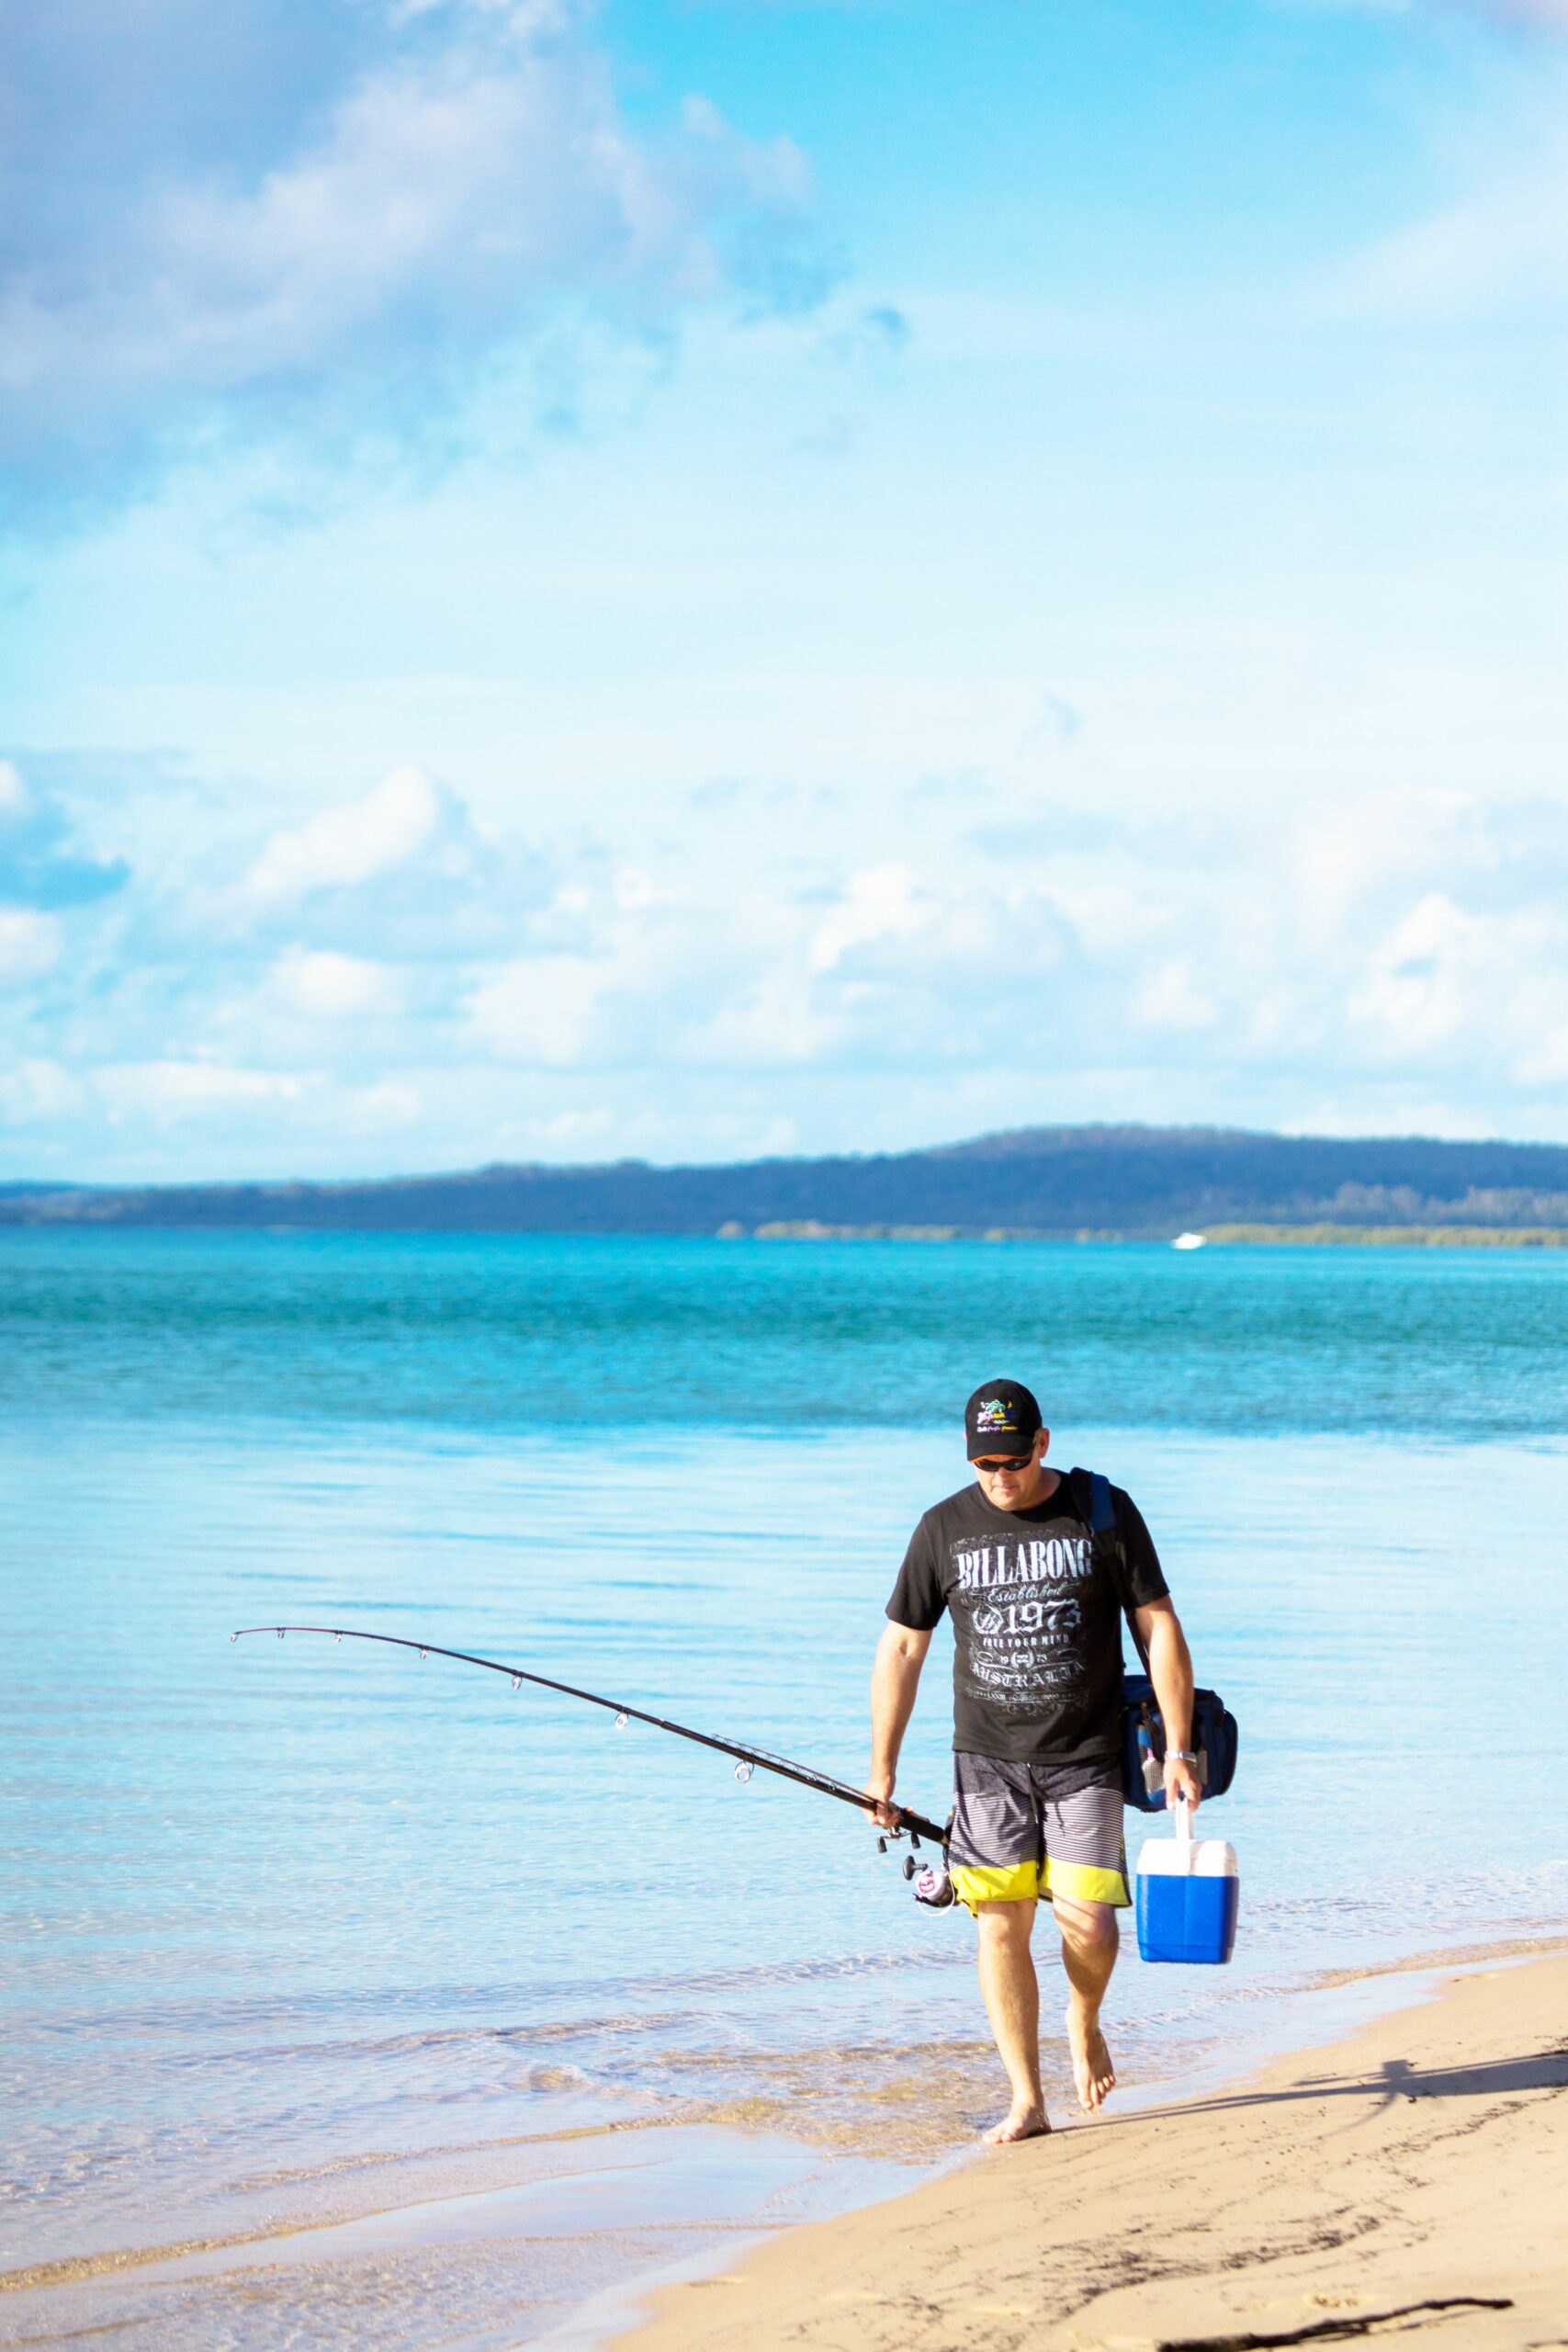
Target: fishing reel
[{"x": 931, "y": 1884}]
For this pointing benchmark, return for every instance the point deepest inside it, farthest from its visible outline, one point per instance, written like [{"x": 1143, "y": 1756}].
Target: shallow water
[{"x": 297, "y": 1934}]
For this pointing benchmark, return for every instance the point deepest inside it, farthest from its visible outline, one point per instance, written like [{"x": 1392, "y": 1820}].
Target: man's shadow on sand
[{"x": 1545, "y": 2070}]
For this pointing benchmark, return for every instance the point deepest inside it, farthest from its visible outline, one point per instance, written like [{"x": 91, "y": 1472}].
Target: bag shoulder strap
[{"x": 1093, "y": 1490}]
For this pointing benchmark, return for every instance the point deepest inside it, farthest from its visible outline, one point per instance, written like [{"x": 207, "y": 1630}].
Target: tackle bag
[
  {"x": 1215, "y": 1732},
  {"x": 1214, "y": 1737}
]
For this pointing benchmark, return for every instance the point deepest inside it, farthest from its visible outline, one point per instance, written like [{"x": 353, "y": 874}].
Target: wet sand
[
  {"x": 1292, "y": 2181},
  {"x": 481, "y": 2251},
  {"x": 1412, "y": 2180}
]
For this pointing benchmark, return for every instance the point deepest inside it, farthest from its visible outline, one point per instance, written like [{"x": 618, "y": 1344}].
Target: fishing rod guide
[{"x": 747, "y": 1758}]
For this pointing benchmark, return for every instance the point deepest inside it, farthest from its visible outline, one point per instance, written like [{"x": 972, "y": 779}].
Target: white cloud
[
  {"x": 1422, "y": 976},
  {"x": 773, "y": 1020},
  {"x": 464, "y": 188},
  {"x": 945, "y": 932},
  {"x": 171, "y": 1091},
  {"x": 894, "y": 968},
  {"x": 632, "y": 889},
  {"x": 1170, "y": 999},
  {"x": 30, "y": 944},
  {"x": 546, "y": 1010},
  {"x": 400, "y": 876},
  {"x": 332, "y": 254},
  {"x": 1500, "y": 249},
  {"x": 349, "y": 843},
  {"x": 191, "y": 1102},
  {"x": 395, "y": 975},
  {"x": 40, "y": 866},
  {"x": 881, "y": 904},
  {"x": 1503, "y": 250},
  {"x": 1451, "y": 986},
  {"x": 1548, "y": 16},
  {"x": 327, "y": 987},
  {"x": 40, "y": 1094},
  {"x": 1517, "y": 16},
  {"x": 391, "y": 1104}
]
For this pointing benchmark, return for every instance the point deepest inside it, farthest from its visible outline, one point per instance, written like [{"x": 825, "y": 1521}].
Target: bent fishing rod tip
[{"x": 748, "y": 1759}]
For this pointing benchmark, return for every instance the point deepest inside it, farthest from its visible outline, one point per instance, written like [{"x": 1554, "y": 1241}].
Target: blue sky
[{"x": 694, "y": 580}]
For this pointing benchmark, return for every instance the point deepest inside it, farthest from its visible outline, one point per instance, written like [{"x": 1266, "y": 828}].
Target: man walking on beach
[{"x": 1036, "y": 1602}]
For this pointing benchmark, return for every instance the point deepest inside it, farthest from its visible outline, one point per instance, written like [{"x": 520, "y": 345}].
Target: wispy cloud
[
  {"x": 1548, "y": 16},
  {"x": 1498, "y": 249}
]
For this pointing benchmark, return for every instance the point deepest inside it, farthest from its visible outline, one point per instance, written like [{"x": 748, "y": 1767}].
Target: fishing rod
[{"x": 747, "y": 1758}]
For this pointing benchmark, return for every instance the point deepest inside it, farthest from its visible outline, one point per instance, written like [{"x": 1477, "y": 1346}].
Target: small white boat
[{"x": 1190, "y": 1241}]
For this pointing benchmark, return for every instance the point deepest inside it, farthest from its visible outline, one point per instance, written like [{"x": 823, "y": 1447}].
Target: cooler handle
[{"x": 1183, "y": 1813}]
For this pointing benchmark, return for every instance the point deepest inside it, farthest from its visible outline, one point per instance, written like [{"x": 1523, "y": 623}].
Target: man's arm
[
  {"x": 895, "y": 1678},
  {"x": 1170, "y": 1671}
]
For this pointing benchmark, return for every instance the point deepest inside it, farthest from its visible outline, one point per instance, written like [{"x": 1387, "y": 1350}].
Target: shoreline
[
  {"x": 694, "y": 2206},
  {"x": 1324, "y": 1232},
  {"x": 1322, "y": 1235},
  {"x": 1298, "y": 2201}
]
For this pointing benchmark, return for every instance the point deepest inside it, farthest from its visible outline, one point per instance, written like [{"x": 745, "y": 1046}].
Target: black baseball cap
[{"x": 1001, "y": 1416}]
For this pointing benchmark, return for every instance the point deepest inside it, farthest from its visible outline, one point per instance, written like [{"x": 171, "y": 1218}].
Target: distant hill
[{"x": 1137, "y": 1181}]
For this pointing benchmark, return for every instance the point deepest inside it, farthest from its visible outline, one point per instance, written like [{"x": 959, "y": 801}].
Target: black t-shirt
[{"x": 1036, "y": 1607}]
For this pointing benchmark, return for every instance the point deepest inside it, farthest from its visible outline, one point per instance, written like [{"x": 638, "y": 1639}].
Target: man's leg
[
  {"x": 1011, "y": 1993},
  {"x": 1086, "y": 1875},
  {"x": 1089, "y": 1939},
  {"x": 993, "y": 1853}
]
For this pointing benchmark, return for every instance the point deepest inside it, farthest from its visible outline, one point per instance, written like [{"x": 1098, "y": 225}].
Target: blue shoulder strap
[
  {"x": 1102, "y": 1521},
  {"x": 1102, "y": 1509}
]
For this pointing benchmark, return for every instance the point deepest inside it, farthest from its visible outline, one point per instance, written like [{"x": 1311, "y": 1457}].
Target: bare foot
[
  {"x": 1092, "y": 2070},
  {"x": 1018, "y": 2123}
]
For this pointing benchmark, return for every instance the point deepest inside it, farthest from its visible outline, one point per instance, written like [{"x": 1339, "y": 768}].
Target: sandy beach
[{"x": 1412, "y": 2180}]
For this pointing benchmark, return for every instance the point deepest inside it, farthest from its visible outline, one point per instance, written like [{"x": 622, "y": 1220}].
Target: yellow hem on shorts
[
  {"x": 1013, "y": 1883},
  {"x": 1026, "y": 1882},
  {"x": 1080, "y": 1882}
]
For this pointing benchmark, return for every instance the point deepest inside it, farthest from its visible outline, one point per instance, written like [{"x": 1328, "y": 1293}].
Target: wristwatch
[{"x": 1181, "y": 1755}]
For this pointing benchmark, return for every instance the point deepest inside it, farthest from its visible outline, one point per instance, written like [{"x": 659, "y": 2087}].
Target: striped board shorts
[{"x": 1024, "y": 1830}]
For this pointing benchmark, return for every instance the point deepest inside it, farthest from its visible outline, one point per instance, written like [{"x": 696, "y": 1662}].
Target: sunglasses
[{"x": 1011, "y": 1462}]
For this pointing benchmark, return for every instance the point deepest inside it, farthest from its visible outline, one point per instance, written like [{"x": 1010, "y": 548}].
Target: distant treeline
[{"x": 1045, "y": 1182}]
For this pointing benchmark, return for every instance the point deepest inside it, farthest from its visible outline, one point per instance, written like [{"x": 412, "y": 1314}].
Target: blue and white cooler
[{"x": 1188, "y": 1892}]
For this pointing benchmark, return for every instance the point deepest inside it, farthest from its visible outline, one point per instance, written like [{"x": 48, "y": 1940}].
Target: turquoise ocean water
[{"x": 493, "y": 2009}]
